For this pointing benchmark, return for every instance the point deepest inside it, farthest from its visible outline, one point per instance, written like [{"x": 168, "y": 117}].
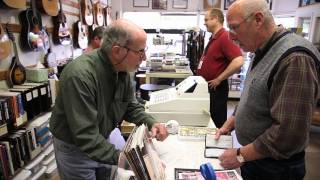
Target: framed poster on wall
[
  {"x": 180, "y": 4},
  {"x": 228, "y": 3},
  {"x": 159, "y": 4},
  {"x": 211, "y": 4},
  {"x": 140, "y": 3}
]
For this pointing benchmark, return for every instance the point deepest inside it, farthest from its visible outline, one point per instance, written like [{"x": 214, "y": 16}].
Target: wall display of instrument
[
  {"x": 5, "y": 47},
  {"x": 17, "y": 73},
  {"x": 86, "y": 12},
  {"x": 80, "y": 32},
  {"x": 49, "y": 7},
  {"x": 19, "y": 4},
  {"x": 32, "y": 36},
  {"x": 61, "y": 33},
  {"x": 98, "y": 13}
]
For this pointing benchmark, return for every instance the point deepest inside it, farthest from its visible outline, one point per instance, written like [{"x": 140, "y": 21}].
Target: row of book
[
  {"x": 17, "y": 149},
  {"x": 43, "y": 165},
  {"x": 22, "y": 103},
  {"x": 22, "y": 145}
]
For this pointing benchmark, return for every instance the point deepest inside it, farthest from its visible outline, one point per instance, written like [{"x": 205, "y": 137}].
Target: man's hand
[
  {"x": 226, "y": 128},
  {"x": 159, "y": 131},
  {"x": 228, "y": 159},
  {"x": 214, "y": 83},
  {"x": 221, "y": 131}
]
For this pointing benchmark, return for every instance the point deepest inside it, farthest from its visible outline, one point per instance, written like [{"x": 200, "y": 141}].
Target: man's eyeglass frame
[{"x": 233, "y": 28}]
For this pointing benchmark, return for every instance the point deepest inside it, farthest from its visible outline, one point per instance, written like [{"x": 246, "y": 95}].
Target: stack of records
[{"x": 142, "y": 157}]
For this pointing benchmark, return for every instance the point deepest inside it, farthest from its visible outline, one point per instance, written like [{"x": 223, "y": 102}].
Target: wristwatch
[{"x": 240, "y": 158}]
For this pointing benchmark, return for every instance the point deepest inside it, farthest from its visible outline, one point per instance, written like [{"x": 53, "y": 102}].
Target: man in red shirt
[{"x": 221, "y": 58}]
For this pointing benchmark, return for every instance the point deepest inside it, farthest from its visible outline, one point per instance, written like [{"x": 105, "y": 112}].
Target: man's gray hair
[
  {"x": 252, "y": 6},
  {"x": 115, "y": 34}
]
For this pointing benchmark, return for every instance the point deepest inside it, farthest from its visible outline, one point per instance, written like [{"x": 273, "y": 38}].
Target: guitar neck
[
  {"x": 15, "y": 50},
  {"x": 80, "y": 10},
  {"x": 60, "y": 4},
  {"x": 33, "y": 6}
]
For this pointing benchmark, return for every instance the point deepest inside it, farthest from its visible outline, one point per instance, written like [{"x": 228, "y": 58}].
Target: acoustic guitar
[
  {"x": 5, "y": 47},
  {"x": 61, "y": 33},
  {"x": 49, "y": 7},
  {"x": 86, "y": 9},
  {"x": 19, "y": 4},
  {"x": 32, "y": 36},
  {"x": 17, "y": 73},
  {"x": 80, "y": 34},
  {"x": 98, "y": 13}
]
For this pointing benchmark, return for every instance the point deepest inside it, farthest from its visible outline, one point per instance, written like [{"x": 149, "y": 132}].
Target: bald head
[
  {"x": 251, "y": 23},
  {"x": 134, "y": 30},
  {"x": 122, "y": 32},
  {"x": 245, "y": 8}
]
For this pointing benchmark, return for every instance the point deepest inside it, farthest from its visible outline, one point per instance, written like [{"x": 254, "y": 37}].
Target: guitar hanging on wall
[
  {"x": 5, "y": 47},
  {"x": 19, "y": 4},
  {"x": 86, "y": 9},
  {"x": 32, "y": 36},
  {"x": 107, "y": 16},
  {"x": 80, "y": 33},
  {"x": 98, "y": 13},
  {"x": 17, "y": 73},
  {"x": 49, "y": 7},
  {"x": 61, "y": 33}
]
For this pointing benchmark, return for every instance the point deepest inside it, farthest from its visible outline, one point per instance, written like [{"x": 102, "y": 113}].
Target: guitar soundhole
[{"x": 19, "y": 76}]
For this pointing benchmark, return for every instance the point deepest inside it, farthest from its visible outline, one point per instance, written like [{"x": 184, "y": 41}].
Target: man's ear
[
  {"x": 259, "y": 19},
  {"x": 118, "y": 51}
]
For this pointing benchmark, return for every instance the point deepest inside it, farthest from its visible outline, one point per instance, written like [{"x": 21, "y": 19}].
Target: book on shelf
[
  {"x": 186, "y": 174},
  {"x": 142, "y": 156},
  {"x": 214, "y": 148},
  {"x": 195, "y": 133}
]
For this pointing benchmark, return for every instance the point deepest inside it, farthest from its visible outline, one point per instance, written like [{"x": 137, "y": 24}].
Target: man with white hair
[
  {"x": 95, "y": 93},
  {"x": 273, "y": 117}
]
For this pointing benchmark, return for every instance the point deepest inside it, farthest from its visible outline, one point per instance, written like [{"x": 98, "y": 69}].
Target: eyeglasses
[
  {"x": 141, "y": 52},
  {"x": 233, "y": 28}
]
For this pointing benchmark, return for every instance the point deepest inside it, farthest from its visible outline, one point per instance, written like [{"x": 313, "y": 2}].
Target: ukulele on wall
[
  {"x": 17, "y": 73},
  {"x": 5, "y": 47},
  {"x": 61, "y": 33}
]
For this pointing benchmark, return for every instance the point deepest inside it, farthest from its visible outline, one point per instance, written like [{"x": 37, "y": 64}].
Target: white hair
[{"x": 248, "y": 7}]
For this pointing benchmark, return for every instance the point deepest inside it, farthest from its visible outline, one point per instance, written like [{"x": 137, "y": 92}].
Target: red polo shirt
[{"x": 220, "y": 51}]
